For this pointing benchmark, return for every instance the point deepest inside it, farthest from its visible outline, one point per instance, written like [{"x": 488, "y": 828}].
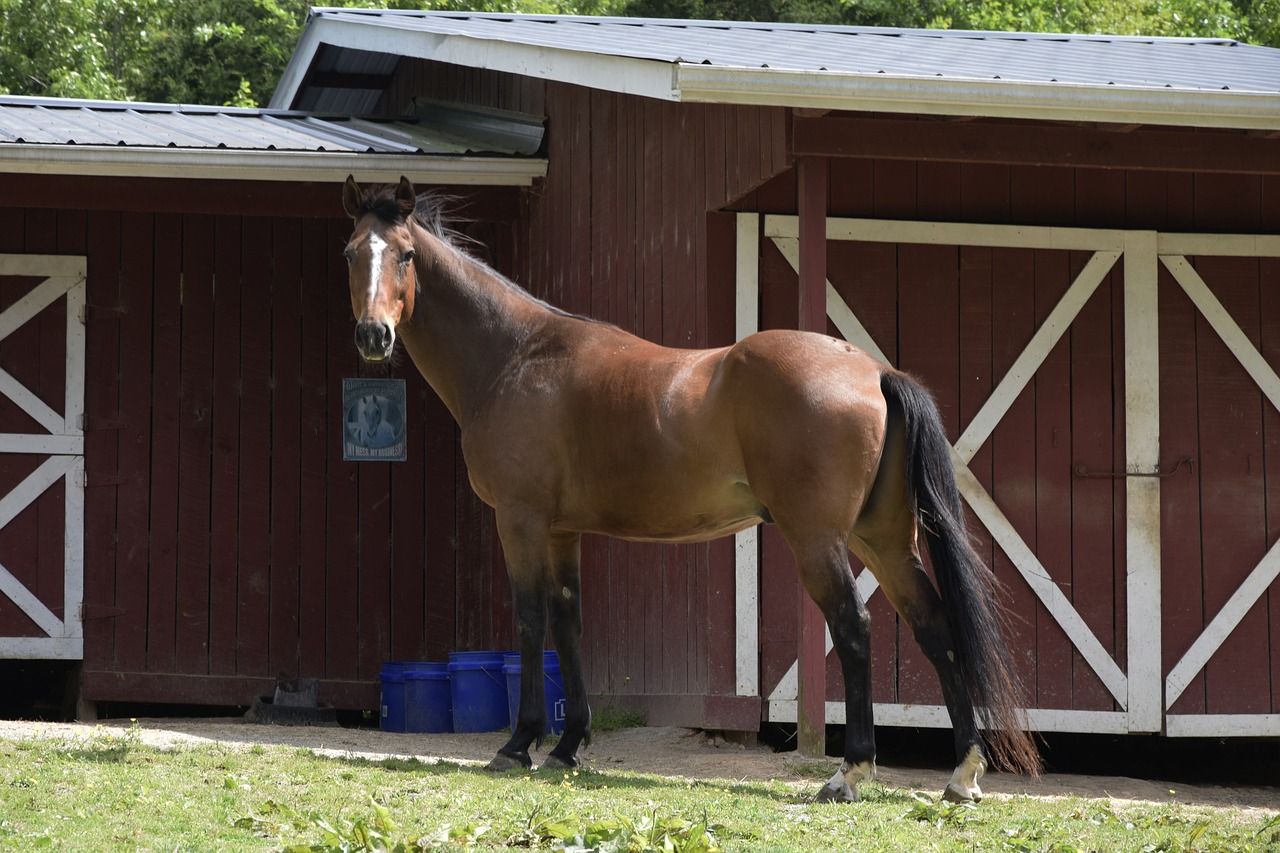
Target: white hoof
[
  {"x": 843, "y": 786},
  {"x": 963, "y": 787}
]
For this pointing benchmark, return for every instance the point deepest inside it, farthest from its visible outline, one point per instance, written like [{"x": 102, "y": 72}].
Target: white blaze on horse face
[{"x": 377, "y": 249}]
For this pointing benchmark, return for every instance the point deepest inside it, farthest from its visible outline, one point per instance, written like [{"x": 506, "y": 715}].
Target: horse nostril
[{"x": 374, "y": 339}]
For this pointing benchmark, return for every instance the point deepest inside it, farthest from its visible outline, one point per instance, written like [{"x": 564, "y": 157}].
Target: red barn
[{"x": 1071, "y": 239}]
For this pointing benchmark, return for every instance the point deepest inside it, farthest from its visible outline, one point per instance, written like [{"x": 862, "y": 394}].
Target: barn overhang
[
  {"x": 879, "y": 93},
  {"x": 438, "y": 144},
  {"x": 1075, "y": 78},
  {"x": 152, "y": 162}
]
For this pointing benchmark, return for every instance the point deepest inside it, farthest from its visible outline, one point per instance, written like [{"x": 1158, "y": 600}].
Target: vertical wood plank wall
[{"x": 237, "y": 545}]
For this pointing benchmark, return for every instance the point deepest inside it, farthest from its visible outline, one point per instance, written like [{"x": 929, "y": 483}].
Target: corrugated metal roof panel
[
  {"x": 1201, "y": 64},
  {"x": 49, "y": 121}
]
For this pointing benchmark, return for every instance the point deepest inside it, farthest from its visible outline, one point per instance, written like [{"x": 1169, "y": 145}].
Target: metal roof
[
  {"x": 1215, "y": 82},
  {"x": 65, "y": 136}
]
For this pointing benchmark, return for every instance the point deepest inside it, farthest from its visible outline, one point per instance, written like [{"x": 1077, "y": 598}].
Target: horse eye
[
  {"x": 350, "y": 255},
  {"x": 407, "y": 256}
]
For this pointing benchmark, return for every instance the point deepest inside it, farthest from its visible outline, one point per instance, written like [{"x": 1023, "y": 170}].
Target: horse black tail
[{"x": 968, "y": 588}]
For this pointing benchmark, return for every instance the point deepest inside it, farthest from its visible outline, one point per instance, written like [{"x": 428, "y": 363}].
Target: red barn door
[{"x": 1112, "y": 398}]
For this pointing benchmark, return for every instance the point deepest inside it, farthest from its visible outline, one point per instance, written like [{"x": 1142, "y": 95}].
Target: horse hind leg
[
  {"x": 828, "y": 579},
  {"x": 912, "y": 595}
]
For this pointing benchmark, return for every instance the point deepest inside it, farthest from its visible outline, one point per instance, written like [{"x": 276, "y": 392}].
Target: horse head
[{"x": 380, "y": 258}]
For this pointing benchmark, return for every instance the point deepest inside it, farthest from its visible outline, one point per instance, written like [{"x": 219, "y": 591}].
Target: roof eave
[
  {"x": 645, "y": 77},
  {"x": 983, "y": 98},
  {"x": 224, "y": 164}
]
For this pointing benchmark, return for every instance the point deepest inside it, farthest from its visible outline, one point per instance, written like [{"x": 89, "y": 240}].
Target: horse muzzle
[{"x": 374, "y": 340}]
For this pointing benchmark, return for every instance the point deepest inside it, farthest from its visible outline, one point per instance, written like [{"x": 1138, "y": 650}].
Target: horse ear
[
  {"x": 351, "y": 197},
  {"x": 406, "y": 197}
]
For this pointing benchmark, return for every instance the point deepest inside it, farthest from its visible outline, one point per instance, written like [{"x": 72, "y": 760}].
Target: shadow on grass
[
  {"x": 106, "y": 754},
  {"x": 584, "y": 779},
  {"x": 588, "y": 780}
]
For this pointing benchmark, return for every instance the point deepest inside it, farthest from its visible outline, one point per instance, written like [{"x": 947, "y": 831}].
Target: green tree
[
  {"x": 219, "y": 51},
  {"x": 81, "y": 49}
]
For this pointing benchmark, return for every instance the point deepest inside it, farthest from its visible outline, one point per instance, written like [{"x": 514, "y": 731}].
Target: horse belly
[{"x": 657, "y": 509}]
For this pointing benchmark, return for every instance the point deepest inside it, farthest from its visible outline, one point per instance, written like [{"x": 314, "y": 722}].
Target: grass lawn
[{"x": 107, "y": 791}]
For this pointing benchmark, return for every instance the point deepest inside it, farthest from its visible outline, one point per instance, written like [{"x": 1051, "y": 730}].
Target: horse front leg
[
  {"x": 526, "y": 553},
  {"x": 564, "y": 604}
]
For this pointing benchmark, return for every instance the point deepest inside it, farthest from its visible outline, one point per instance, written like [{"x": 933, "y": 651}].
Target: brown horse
[{"x": 570, "y": 425}]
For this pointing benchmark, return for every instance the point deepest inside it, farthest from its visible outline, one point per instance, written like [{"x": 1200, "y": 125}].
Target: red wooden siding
[{"x": 237, "y": 545}]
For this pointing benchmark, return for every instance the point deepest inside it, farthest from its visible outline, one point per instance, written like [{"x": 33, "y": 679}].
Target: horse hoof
[
  {"x": 841, "y": 793},
  {"x": 842, "y": 787},
  {"x": 555, "y": 762},
  {"x": 503, "y": 762},
  {"x": 963, "y": 787},
  {"x": 956, "y": 794}
]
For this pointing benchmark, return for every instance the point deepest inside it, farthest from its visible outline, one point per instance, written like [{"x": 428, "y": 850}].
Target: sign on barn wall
[{"x": 373, "y": 420}]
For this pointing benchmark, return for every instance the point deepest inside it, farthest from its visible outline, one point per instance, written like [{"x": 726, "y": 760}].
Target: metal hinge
[
  {"x": 101, "y": 312},
  {"x": 1081, "y": 471},
  {"x": 88, "y": 479},
  {"x": 99, "y": 611},
  {"x": 97, "y": 423}
]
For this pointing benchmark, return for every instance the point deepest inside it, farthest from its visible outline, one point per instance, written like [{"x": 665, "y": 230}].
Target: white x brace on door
[
  {"x": 1139, "y": 688},
  {"x": 59, "y": 439}
]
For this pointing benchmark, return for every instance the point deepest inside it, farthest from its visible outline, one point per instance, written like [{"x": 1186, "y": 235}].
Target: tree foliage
[
  {"x": 234, "y": 51},
  {"x": 82, "y": 49}
]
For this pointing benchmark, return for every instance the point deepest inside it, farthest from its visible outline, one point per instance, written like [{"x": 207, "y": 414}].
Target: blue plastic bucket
[
  {"x": 391, "y": 717},
  {"x": 428, "y": 702},
  {"x": 552, "y": 688},
  {"x": 478, "y": 691}
]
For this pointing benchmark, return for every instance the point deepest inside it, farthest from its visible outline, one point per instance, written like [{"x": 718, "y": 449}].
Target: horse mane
[{"x": 431, "y": 210}]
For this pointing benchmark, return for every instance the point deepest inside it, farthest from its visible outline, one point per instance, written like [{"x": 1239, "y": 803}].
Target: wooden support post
[{"x": 811, "y": 696}]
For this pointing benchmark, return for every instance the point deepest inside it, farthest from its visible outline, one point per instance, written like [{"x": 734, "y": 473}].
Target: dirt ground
[{"x": 669, "y": 751}]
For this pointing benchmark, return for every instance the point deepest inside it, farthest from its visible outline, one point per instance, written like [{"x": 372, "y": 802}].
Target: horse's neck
[{"x": 467, "y": 325}]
